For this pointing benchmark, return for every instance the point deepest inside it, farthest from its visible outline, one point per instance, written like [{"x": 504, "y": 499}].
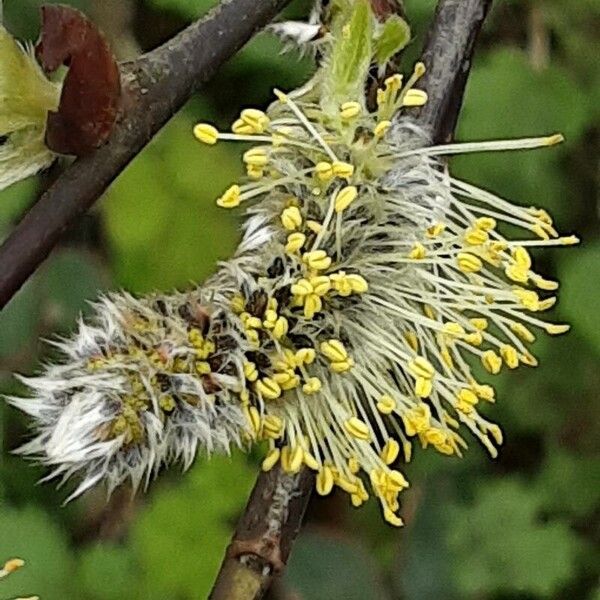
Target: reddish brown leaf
[{"x": 91, "y": 92}]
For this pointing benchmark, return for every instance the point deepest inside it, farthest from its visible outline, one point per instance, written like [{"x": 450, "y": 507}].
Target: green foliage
[
  {"x": 179, "y": 539},
  {"x": 344, "y": 570},
  {"x": 30, "y": 534},
  {"x": 583, "y": 284},
  {"x": 169, "y": 193},
  {"x": 394, "y": 36},
  {"x": 106, "y": 572},
  {"x": 500, "y": 542}
]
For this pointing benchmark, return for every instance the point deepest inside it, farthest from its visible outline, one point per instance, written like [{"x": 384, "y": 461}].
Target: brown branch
[
  {"x": 157, "y": 85},
  {"x": 272, "y": 518},
  {"x": 447, "y": 56}
]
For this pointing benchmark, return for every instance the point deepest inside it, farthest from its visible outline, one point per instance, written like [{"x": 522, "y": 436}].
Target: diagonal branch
[
  {"x": 157, "y": 85},
  {"x": 272, "y": 518}
]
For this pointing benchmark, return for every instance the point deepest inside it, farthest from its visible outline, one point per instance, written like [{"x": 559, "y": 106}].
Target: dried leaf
[{"x": 91, "y": 91}]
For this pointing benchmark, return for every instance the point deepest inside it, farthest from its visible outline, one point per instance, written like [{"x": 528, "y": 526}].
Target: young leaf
[
  {"x": 350, "y": 56},
  {"x": 395, "y": 35}
]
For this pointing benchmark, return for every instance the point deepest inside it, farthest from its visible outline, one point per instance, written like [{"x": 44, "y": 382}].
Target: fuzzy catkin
[{"x": 370, "y": 292}]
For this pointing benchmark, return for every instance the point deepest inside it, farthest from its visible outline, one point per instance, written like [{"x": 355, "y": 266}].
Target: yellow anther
[
  {"x": 418, "y": 252},
  {"x": 544, "y": 284},
  {"x": 547, "y": 303},
  {"x": 253, "y": 417},
  {"x": 522, "y": 332},
  {"x": 528, "y": 298},
  {"x": 392, "y": 518},
  {"x": 485, "y": 223},
  {"x": 529, "y": 359},
  {"x": 417, "y": 420},
  {"x": 292, "y": 458},
  {"x": 305, "y": 356},
  {"x": 396, "y": 480},
  {"x": 281, "y": 328},
  {"x": 357, "y": 283},
  {"x": 485, "y": 392},
  {"x": 291, "y": 383},
  {"x": 342, "y": 169},
  {"x": 386, "y": 405},
  {"x": 207, "y": 134},
  {"x": 342, "y": 366},
  {"x": 556, "y": 329},
  {"x": 244, "y": 396},
  {"x": 238, "y": 303},
  {"x": 496, "y": 433},
  {"x": 321, "y": 284},
  {"x": 268, "y": 388},
  {"x": 447, "y": 358},
  {"x": 341, "y": 284},
  {"x": 521, "y": 257},
  {"x": 310, "y": 461},
  {"x": 429, "y": 311},
  {"x": 295, "y": 241},
  {"x": 334, "y": 350},
  {"x": 312, "y": 305},
  {"x": 273, "y": 426},
  {"x": 468, "y": 263},
  {"x": 394, "y": 82},
  {"x": 357, "y": 429},
  {"x": 420, "y": 69},
  {"x": 284, "y": 377},
  {"x": 345, "y": 197},
  {"x": 569, "y": 240},
  {"x": 256, "y": 157},
  {"x": 381, "y": 128},
  {"x": 407, "y": 451},
  {"x": 314, "y": 226},
  {"x": 476, "y": 237},
  {"x": 253, "y": 323},
  {"x": 350, "y": 110},
  {"x": 353, "y": 465},
  {"x": 390, "y": 451},
  {"x": 271, "y": 459},
  {"x": 475, "y": 338},
  {"x": 414, "y": 97},
  {"x": 421, "y": 367},
  {"x": 280, "y": 136},
  {"x": 324, "y": 171},
  {"x": 453, "y": 329},
  {"x": 241, "y": 128},
  {"x": 510, "y": 356},
  {"x": 291, "y": 218},
  {"x": 312, "y": 385},
  {"x": 479, "y": 323},
  {"x": 270, "y": 319},
  {"x": 302, "y": 287},
  {"x": 325, "y": 481},
  {"x": 12, "y": 565},
  {"x": 255, "y": 118},
  {"x": 516, "y": 272},
  {"x": 255, "y": 173},
  {"x": 317, "y": 260},
  {"x": 468, "y": 396},
  {"x": 435, "y": 230},
  {"x": 231, "y": 198},
  {"x": 491, "y": 362},
  {"x": 423, "y": 387},
  {"x": 411, "y": 340},
  {"x": 202, "y": 367}
]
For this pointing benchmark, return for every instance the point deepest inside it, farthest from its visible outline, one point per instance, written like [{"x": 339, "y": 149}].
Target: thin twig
[
  {"x": 157, "y": 85},
  {"x": 272, "y": 518}
]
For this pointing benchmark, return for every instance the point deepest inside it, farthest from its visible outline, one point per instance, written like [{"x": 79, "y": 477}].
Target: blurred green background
[{"x": 525, "y": 526}]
